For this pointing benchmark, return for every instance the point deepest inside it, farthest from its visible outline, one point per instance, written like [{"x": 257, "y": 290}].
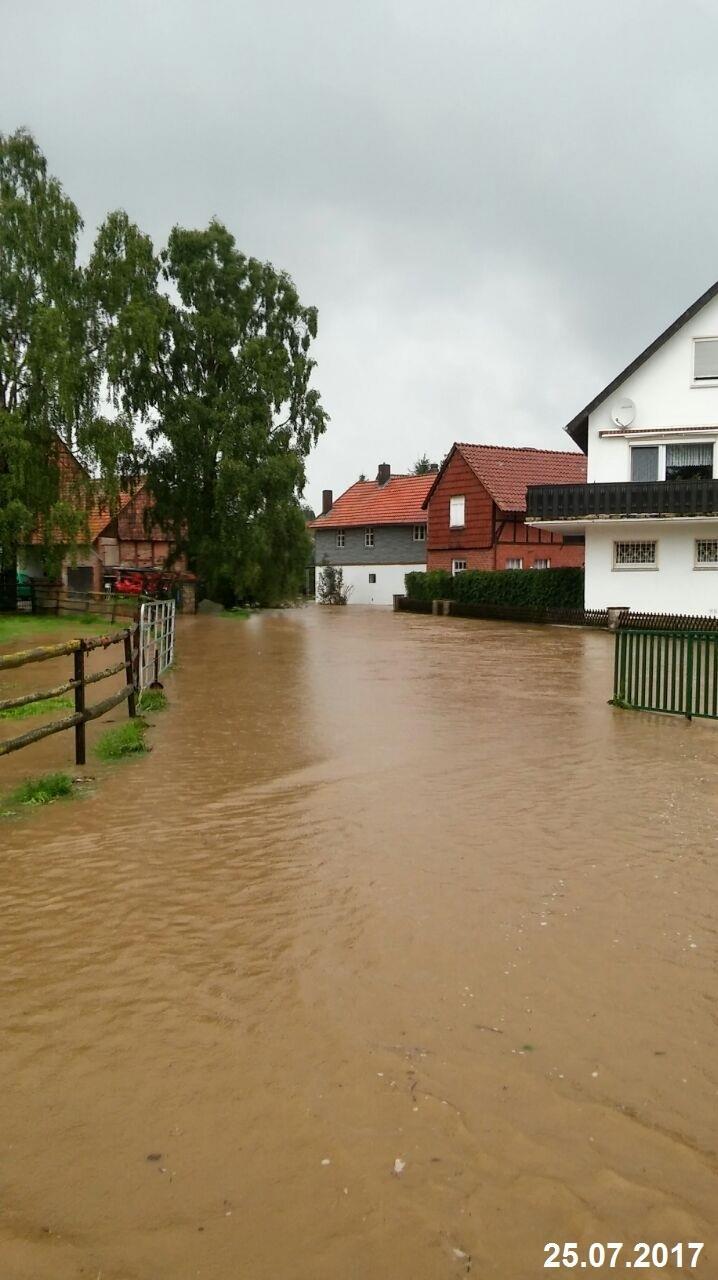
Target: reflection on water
[{"x": 389, "y": 887}]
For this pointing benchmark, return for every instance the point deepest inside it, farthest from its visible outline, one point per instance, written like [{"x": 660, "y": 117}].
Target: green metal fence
[{"x": 671, "y": 671}]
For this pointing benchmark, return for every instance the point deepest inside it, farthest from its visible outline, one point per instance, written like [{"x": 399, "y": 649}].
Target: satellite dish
[{"x": 623, "y": 412}]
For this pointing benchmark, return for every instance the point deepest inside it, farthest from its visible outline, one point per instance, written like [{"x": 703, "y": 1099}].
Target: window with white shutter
[
  {"x": 644, "y": 463},
  {"x": 705, "y": 359},
  {"x": 457, "y": 511}
]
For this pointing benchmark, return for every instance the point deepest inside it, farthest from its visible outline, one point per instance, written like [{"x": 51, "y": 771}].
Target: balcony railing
[{"x": 618, "y": 499}]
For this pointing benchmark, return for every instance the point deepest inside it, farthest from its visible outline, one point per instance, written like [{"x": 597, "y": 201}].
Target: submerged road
[{"x": 396, "y": 958}]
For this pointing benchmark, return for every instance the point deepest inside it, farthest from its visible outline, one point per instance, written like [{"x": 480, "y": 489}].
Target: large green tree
[
  {"x": 42, "y": 366},
  {"x": 51, "y": 361},
  {"x": 200, "y": 352},
  {"x": 232, "y": 414}
]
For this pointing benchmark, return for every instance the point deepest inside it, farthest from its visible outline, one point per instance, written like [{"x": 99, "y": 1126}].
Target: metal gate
[
  {"x": 670, "y": 671},
  {"x": 157, "y": 639}
]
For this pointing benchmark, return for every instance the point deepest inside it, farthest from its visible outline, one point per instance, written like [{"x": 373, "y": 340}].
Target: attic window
[
  {"x": 457, "y": 511},
  {"x": 705, "y": 359}
]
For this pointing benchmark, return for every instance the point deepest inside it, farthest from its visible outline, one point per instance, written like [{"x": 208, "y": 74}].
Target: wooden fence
[
  {"x": 78, "y": 683},
  {"x": 48, "y": 598},
  {"x": 671, "y": 671},
  {"x": 558, "y": 617}
]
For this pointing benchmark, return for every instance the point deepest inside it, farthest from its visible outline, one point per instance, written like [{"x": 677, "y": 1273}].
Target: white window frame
[
  {"x": 341, "y": 538},
  {"x": 515, "y": 563},
  {"x": 369, "y": 536},
  {"x": 701, "y": 382},
  {"x": 543, "y": 562},
  {"x": 457, "y": 524},
  {"x": 419, "y": 533},
  {"x": 703, "y": 565},
  {"x": 458, "y": 566},
  {"x": 648, "y": 567}
]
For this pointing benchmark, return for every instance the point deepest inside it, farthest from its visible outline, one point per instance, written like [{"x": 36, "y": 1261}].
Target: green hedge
[{"x": 539, "y": 588}]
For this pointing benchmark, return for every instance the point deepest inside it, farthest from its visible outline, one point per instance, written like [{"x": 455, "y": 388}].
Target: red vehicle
[{"x": 136, "y": 582}]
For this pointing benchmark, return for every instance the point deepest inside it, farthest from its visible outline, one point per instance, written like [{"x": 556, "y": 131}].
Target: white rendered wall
[
  {"x": 389, "y": 581},
  {"x": 664, "y": 397},
  {"x": 675, "y": 586}
]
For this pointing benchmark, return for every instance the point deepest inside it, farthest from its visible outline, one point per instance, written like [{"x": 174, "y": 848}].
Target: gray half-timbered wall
[{"x": 393, "y": 544}]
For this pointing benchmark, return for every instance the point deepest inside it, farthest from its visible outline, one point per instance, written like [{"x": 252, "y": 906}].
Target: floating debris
[{"x": 399, "y": 1166}]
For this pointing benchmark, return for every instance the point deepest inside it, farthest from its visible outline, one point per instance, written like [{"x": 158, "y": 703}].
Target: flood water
[{"x": 389, "y": 887}]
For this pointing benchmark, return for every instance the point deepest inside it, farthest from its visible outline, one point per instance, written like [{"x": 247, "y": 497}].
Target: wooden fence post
[
  {"x": 130, "y": 673},
  {"x": 80, "y": 705}
]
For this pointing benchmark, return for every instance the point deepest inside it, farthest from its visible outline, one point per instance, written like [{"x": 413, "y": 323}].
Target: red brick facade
[{"x": 490, "y": 536}]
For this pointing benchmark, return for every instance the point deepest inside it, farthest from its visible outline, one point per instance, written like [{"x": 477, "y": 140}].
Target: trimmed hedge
[{"x": 535, "y": 588}]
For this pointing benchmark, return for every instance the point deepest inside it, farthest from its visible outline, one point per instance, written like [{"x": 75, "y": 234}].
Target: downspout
[{"x": 493, "y": 530}]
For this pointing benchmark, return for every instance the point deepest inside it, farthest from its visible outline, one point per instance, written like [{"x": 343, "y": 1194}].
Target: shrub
[
  {"x": 533, "y": 588},
  {"x": 331, "y": 588},
  {"x": 124, "y": 740},
  {"x": 53, "y": 786},
  {"x": 435, "y": 585},
  {"x": 152, "y": 700}
]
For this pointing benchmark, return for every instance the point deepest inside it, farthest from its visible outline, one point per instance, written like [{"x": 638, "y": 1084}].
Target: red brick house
[{"x": 477, "y": 507}]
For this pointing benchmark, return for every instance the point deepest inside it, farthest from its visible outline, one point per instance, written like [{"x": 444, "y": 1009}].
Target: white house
[
  {"x": 375, "y": 533},
  {"x": 649, "y": 509}
]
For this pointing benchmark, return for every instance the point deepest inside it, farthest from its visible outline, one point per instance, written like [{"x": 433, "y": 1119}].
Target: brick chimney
[
  {"x": 383, "y": 474},
  {"x": 327, "y": 501}
]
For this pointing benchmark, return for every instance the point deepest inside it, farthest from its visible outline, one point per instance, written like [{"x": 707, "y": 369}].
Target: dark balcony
[{"x": 616, "y": 500}]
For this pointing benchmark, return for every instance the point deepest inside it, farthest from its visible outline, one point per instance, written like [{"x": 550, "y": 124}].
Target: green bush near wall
[{"x": 536, "y": 588}]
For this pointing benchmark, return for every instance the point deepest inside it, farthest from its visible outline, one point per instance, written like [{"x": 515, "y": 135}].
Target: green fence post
[{"x": 689, "y": 678}]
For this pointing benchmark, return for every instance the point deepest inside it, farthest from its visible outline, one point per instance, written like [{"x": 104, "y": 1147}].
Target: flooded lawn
[{"x": 390, "y": 888}]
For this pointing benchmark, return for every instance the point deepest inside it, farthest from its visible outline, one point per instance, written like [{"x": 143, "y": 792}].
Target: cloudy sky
[{"x": 495, "y": 204}]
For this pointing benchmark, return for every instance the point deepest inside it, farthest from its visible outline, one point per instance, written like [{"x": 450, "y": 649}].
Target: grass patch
[
  {"x": 152, "y": 700},
  {"x": 237, "y": 612},
  {"x": 123, "y": 740},
  {"x": 53, "y": 786},
  {"x": 28, "y": 626},
  {"x": 37, "y": 708}
]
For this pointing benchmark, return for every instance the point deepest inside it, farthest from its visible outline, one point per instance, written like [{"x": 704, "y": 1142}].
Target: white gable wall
[{"x": 664, "y": 397}]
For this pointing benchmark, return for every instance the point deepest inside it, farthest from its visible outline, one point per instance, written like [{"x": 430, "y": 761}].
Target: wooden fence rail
[
  {"x": 128, "y": 637},
  {"x": 49, "y": 598}
]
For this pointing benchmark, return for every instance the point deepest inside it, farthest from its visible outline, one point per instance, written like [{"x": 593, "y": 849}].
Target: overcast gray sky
[{"x": 494, "y": 205}]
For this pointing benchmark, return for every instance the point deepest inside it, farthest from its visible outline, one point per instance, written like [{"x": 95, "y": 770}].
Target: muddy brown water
[{"x": 388, "y": 887}]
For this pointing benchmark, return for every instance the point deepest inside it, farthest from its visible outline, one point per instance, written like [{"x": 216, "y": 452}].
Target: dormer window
[{"x": 705, "y": 360}]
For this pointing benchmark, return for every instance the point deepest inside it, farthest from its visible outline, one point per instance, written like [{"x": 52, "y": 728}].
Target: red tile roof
[
  {"x": 399, "y": 501},
  {"x": 505, "y": 472}
]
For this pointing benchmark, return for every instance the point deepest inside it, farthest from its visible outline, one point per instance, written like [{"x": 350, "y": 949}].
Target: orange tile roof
[
  {"x": 505, "y": 472},
  {"x": 99, "y": 516},
  {"x": 399, "y": 501}
]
